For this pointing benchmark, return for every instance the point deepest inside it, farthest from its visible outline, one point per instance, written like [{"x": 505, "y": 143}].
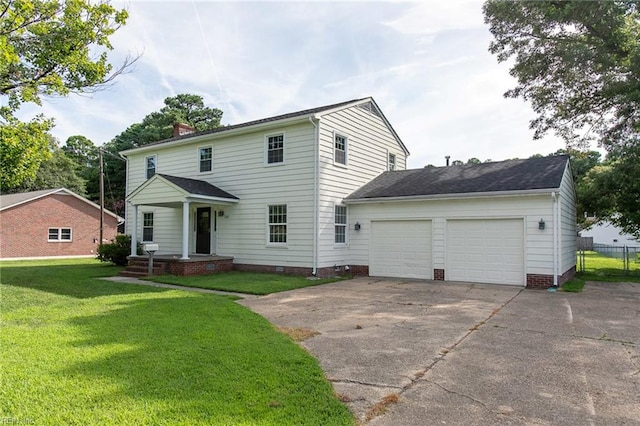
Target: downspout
[
  {"x": 556, "y": 227},
  {"x": 316, "y": 159}
]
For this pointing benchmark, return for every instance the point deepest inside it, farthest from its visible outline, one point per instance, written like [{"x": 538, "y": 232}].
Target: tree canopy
[
  {"x": 578, "y": 64},
  {"x": 155, "y": 126},
  {"x": 48, "y": 47}
]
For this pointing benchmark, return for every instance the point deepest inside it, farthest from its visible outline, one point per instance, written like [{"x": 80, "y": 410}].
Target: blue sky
[{"x": 425, "y": 63}]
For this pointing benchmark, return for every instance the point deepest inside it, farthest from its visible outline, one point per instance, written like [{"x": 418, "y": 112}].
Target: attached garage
[
  {"x": 511, "y": 222},
  {"x": 485, "y": 251},
  {"x": 401, "y": 248}
]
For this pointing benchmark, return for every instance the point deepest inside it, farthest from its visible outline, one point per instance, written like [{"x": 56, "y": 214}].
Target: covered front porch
[{"x": 201, "y": 205}]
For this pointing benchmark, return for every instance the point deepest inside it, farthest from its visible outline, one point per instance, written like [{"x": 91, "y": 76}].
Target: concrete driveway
[{"x": 422, "y": 352}]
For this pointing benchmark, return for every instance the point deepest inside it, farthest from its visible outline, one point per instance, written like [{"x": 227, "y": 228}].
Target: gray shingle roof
[
  {"x": 221, "y": 129},
  {"x": 8, "y": 200},
  {"x": 198, "y": 187},
  {"x": 510, "y": 175}
]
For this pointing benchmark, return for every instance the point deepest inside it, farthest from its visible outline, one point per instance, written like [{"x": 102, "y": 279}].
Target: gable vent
[{"x": 370, "y": 107}]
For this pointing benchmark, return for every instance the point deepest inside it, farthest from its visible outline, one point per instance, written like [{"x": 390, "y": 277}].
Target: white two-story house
[
  {"x": 268, "y": 193},
  {"x": 326, "y": 190}
]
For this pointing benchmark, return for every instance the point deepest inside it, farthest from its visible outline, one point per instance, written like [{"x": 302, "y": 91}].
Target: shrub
[{"x": 117, "y": 250}]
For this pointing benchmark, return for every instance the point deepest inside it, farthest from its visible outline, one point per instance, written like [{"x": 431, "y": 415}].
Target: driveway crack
[
  {"x": 358, "y": 382},
  {"x": 452, "y": 392}
]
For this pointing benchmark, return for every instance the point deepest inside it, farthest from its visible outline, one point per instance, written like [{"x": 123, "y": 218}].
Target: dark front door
[{"x": 203, "y": 230}]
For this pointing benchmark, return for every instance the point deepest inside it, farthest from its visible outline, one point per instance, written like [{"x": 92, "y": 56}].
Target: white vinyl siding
[
  {"x": 369, "y": 142},
  {"x": 568, "y": 231},
  {"x": 238, "y": 168},
  {"x": 538, "y": 250}
]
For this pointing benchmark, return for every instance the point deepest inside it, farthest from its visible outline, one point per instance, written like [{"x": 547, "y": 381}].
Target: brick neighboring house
[{"x": 52, "y": 223}]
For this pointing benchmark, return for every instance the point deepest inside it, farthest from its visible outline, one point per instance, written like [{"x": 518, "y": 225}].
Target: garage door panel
[
  {"x": 401, "y": 249},
  {"x": 485, "y": 250}
]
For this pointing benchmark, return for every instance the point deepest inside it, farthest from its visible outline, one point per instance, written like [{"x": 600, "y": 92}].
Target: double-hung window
[
  {"x": 275, "y": 149},
  {"x": 340, "y": 223},
  {"x": 150, "y": 165},
  {"x": 59, "y": 235},
  {"x": 206, "y": 159},
  {"x": 277, "y": 224},
  {"x": 339, "y": 149},
  {"x": 392, "y": 161},
  {"x": 147, "y": 227}
]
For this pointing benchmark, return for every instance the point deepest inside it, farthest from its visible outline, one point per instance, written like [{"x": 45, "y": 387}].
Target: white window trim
[
  {"x": 155, "y": 163},
  {"x": 395, "y": 161},
  {"x": 199, "y": 159},
  {"x": 268, "y": 234},
  {"x": 345, "y": 224},
  {"x": 266, "y": 149},
  {"x": 153, "y": 227},
  {"x": 59, "y": 239},
  {"x": 346, "y": 149}
]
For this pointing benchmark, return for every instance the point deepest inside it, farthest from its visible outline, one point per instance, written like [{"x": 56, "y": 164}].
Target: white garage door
[
  {"x": 401, "y": 249},
  {"x": 485, "y": 251}
]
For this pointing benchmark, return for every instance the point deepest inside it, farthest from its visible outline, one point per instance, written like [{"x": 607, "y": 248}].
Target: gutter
[
  {"x": 316, "y": 167},
  {"x": 436, "y": 197},
  {"x": 556, "y": 227}
]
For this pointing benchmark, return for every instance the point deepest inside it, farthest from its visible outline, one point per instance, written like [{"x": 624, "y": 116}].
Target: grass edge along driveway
[{"x": 79, "y": 350}]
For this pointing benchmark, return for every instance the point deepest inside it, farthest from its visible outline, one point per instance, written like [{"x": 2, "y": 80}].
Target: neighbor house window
[
  {"x": 147, "y": 226},
  {"x": 340, "y": 224},
  {"x": 392, "y": 161},
  {"x": 278, "y": 224},
  {"x": 275, "y": 149},
  {"x": 206, "y": 159},
  {"x": 339, "y": 149},
  {"x": 150, "y": 164},
  {"x": 59, "y": 234}
]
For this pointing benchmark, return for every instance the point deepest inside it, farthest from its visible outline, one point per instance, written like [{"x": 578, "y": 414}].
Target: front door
[{"x": 203, "y": 230}]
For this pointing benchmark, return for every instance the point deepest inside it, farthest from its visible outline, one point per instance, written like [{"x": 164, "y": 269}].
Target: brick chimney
[{"x": 180, "y": 129}]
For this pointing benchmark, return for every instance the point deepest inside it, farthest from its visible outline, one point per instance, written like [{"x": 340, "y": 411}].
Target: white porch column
[
  {"x": 133, "y": 214},
  {"x": 185, "y": 230}
]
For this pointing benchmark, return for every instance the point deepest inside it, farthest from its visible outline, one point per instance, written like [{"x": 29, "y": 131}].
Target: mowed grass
[
  {"x": 602, "y": 268},
  {"x": 79, "y": 350},
  {"x": 244, "y": 282}
]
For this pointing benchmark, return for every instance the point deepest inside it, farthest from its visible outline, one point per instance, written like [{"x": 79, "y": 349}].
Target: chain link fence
[{"x": 610, "y": 260}]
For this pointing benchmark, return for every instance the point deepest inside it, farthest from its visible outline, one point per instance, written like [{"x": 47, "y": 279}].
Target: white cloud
[{"x": 425, "y": 63}]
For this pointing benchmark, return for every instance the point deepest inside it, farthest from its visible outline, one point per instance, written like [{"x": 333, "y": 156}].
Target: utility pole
[{"x": 101, "y": 196}]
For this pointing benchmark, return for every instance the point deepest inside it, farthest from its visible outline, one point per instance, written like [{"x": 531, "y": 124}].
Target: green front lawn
[
  {"x": 243, "y": 282},
  {"x": 79, "y": 350}
]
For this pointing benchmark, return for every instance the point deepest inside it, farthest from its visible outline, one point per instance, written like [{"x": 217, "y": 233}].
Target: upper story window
[
  {"x": 277, "y": 224},
  {"x": 59, "y": 234},
  {"x": 206, "y": 159},
  {"x": 339, "y": 149},
  {"x": 147, "y": 227},
  {"x": 340, "y": 222},
  {"x": 150, "y": 165},
  {"x": 392, "y": 161},
  {"x": 275, "y": 149}
]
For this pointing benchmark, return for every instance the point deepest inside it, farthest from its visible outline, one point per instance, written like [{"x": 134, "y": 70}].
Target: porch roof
[{"x": 171, "y": 191}]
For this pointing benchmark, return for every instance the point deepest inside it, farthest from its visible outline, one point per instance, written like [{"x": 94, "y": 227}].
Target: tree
[
  {"x": 577, "y": 62},
  {"x": 58, "y": 171},
  {"x": 48, "y": 47},
  {"x": 183, "y": 108},
  {"x": 85, "y": 155}
]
